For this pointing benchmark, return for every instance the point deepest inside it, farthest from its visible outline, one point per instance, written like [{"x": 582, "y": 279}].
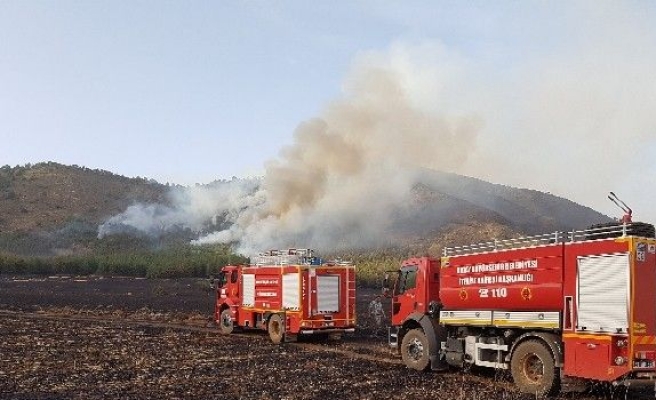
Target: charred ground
[{"x": 71, "y": 337}]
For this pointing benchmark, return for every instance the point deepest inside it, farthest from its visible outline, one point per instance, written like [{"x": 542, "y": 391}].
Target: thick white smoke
[
  {"x": 193, "y": 208},
  {"x": 574, "y": 115},
  {"x": 347, "y": 171},
  {"x": 576, "y": 121}
]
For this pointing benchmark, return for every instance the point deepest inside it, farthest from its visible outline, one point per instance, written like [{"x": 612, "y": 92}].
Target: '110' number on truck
[{"x": 495, "y": 292}]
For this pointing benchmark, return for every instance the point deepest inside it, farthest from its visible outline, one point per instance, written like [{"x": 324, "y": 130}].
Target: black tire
[
  {"x": 534, "y": 369},
  {"x": 226, "y": 325},
  {"x": 276, "y": 329},
  {"x": 414, "y": 350}
]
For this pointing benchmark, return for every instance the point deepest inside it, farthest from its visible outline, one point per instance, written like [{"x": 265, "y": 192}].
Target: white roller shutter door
[
  {"x": 248, "y": 289},
  {"x": 327, "y": 293},
  {"x": 603, "y": 293},
  {"x": 291, "y": 298}
]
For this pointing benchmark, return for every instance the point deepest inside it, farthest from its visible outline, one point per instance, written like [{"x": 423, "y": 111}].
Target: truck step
[{"x": 393, "y": 336}]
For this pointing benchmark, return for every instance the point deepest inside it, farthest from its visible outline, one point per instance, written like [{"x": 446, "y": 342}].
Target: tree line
[{"x": 177, "y": 262}]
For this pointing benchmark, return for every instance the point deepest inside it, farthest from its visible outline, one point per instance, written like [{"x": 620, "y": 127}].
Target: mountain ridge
[{"x": 50, "y": 208}]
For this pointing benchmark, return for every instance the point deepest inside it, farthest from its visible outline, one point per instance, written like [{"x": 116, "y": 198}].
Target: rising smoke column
[
  {"x": 349, "y": 169},
  {"x": 574, "y": 118},
  {"x": 346, "y": 173}
]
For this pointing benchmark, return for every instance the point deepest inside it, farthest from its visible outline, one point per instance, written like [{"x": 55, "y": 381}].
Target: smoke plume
[
  {"x": 346, "y": 172},
  {"x": 350, "y": 168},
  {"x": 575, "y": 120}
]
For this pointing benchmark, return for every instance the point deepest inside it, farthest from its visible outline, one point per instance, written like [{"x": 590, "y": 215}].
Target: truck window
[
  {"x": 234, "y": 276},
  {"x": 407, "y": 279},
  {"x": 411, "y": 279},
  {"x": 222, "y": 279}
]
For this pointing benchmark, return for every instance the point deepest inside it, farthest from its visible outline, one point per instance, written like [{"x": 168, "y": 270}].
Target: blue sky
[{"x": 188, "y": 92}]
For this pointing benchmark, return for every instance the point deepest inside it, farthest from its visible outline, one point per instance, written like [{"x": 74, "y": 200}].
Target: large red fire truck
[
  {"x": 287, "y": 293},
  {"x": 564, "y": 308}
]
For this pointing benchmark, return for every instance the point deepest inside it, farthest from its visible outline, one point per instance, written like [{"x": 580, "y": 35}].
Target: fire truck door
[
  {"x": 232, "y": 284},
  {"x": 404, "y": 300}
]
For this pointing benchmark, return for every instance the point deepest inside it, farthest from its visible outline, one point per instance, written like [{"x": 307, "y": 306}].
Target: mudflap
[
  {"x": 438, "y": 361},
  {"x": 436, "y": 334}
]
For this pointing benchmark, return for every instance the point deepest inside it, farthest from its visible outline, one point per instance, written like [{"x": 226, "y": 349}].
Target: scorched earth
[{"x": 125, "y": 338}]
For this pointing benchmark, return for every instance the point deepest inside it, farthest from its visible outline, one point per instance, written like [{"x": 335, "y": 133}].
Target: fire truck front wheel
[
  {"x": 226, "y": 325},
  {"x": 414, "y": 350},
  {"x": 276, "y": 329},
  {"x": 533, "y": 368}
]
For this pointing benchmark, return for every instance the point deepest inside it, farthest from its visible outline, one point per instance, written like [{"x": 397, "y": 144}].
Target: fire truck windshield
[{"x": 406, "y": 280}]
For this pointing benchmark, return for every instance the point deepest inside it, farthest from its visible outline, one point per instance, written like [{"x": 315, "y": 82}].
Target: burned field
[{"x": 64, "y": 338}]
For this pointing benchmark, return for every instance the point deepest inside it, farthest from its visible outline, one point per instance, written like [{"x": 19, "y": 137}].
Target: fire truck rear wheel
[
  {"x": 414, "y": 350},
  {"x": 533, "y": 369},
  {"x": 226, "y": 325},
  {"x": 276, "y": 329}
]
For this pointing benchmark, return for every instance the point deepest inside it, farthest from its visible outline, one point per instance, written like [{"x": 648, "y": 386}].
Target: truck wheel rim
[
  {"x": 226, "y": 321},
  {"x": 275, "y": 327},
  {"x": 416, "y": 349},
  {"x": 534, "y": 368}
]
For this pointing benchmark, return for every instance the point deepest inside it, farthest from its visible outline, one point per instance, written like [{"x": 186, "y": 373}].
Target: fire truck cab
[{"x": 563, "y": 308}]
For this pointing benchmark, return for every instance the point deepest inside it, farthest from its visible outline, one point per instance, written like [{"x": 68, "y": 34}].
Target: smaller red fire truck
[{"x": 287, "y": 293}]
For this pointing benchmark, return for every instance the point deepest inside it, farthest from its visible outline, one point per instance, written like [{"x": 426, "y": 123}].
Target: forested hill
[
  {"x": 52, "y": 209},
  {"x": 48, "y": 196}
]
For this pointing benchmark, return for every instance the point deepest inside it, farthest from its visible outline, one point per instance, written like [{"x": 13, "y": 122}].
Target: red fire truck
[
  {"x": 564, "y": 308},
  {"x": 287, "y": 293}
]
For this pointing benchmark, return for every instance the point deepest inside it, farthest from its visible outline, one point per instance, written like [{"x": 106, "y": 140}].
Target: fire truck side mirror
[{"x": 386, "y": 288}]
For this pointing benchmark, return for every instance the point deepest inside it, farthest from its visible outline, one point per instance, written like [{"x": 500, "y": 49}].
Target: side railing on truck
[
  {"x": 293, "y": 257},
  {"x": 286, "y": 257},
  {"x": 597, "y": 232}
]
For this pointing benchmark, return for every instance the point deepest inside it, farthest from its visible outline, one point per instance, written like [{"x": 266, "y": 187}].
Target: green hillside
[{"x": 50, "y": 213}]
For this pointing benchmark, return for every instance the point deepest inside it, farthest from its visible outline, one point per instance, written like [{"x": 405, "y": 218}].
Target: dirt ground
[{"x": 126, "y": 338}]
